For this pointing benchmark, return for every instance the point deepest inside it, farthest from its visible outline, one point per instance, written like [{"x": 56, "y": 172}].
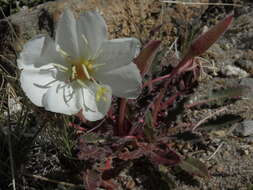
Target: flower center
[{"x": 81, "y": 69}]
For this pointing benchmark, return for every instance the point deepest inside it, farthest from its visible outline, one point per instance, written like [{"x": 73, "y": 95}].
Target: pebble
[
  {"x": 220, "y": 169},
  {"x": 245, "y": 64},
  {"x": 245, "y": 149},
  {"x": 230, "y": 71},
  {"x": 249, "y": 83},
  {"x": 249, "y": 140},
  {"x": 226, "y": 154},
  {"x": 244, "y": 129}
]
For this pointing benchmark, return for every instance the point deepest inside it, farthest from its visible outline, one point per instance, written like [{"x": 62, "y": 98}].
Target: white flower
[{"x": 81, "y": 69}]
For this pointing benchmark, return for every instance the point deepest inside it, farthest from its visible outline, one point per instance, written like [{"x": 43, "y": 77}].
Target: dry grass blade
[
  {"x": 200, "y": 3},
  {"x": 10, "y": 148},
  {"x": 53, "y": 181}
]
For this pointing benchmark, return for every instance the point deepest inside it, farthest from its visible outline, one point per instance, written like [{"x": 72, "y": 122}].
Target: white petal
[
  {"x": 94, "y": 110},
  {"x": 37, "y": 53},
  {"x": 117, "y": 53},
  {"x": 62, "y": 98},
  {"x": 92, "y": 25},
  {"x": 66, "y": 33},
  {"x": 124, "y": 81},
  {"x": 35, "y": 84}
]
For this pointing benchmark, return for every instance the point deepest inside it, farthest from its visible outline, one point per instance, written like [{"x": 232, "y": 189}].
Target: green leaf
[
  {"x": 219, "y": 96},
  {"x": 223, "y": 122},
  {"x": 194, "y": 167},
  {"x": 92, "y": 138},
  {"x": 149, "y": 129},
  {"x": 222, "y": 94},
  {"x": 250, "y": 187},
  {"x": 165, "y": 176}
]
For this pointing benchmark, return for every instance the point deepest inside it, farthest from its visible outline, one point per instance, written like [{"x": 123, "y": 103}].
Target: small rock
[
  {"x": 245, "y": 128},
  {"x": 220, "y": 169},
  {"x": 249, "y": 140},
  {"x": 246, "y": 152},
  {"x": 226, "y": 154},
  {"x": 249, "y": 83},
  {"x": 245, "y": 64},
  {"x": 243, "y": 152},
  {"x": 230, "y": 71},
  {"x": 219, "y": 133}
]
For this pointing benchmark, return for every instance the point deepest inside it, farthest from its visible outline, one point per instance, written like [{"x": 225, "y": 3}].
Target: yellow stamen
[
  {"x": 90, "y": 67},
  {"x": 98, "y": 65},
  {"x": 81, "y": 83},
  {"x": 86, "y": 71},
  {"x": 81, "y": 69},
  {"x": 63, "y": 53},
  {"x": 63, "y": 68},
  {"x": 73, "y": 73},
  {"x": 96, "y": 55},
  {"x": 100, "y": 94}
]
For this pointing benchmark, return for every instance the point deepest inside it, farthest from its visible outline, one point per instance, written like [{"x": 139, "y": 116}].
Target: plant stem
[
  {"x": 10, "y": 146},
  {"x": 122, "y": 111}
]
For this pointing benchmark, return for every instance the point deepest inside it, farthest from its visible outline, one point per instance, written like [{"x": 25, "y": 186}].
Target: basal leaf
[
  {"x": 164, "y": 156},
  {"x": 219, "y": 96},
  {"x": 131, "y": 155},
  {"x": 92, "y": 180},
  {"x": 207, "y": 39},
  {"x": 149, "y": 129},
  {"x": 146, "y": 56},
  {"x": 194, "y": 167},
  {"x": 94, "y": 152}
]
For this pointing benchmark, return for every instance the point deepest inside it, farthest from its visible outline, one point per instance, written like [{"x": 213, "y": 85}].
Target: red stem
[
  {"x": 157, "y": 106},
  {"x": 170, "y": 101},
  {"x": 122, "y": 111},
  {"x": 182, "y": 66}
]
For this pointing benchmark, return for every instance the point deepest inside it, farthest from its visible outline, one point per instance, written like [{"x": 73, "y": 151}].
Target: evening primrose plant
[
  {"x": 81, "y": 69},
  {"x": 79, "y": 72}
]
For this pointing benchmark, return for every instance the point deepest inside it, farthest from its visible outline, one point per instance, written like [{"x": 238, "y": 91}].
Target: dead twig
[
  {"x": 208, "y": 117},
  {"x": 215, "y": 152},
  {"x": 10, "y": 146},
  {"x": 199, "y": 3},
  {"x": 53, "y": 181}
]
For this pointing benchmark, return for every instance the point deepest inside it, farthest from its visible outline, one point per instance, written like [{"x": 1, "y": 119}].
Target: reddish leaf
[
  {"x": 157, "y": 106},
  {"x": 94, "y": 152},
  {"x": 182, "y": 66},
  {"x": 92, "y": 180},
  {"x": 194, "y": 167},
  {"x": 201, "y": 44},
  {"x": 131, "y": 155},
  {"x": 170, "y": 101},
  {"x": 108, "y": 184},
  {"x": 146, "y": 56},
  {"x": 206, "y": 40},
  {"x": 108, "y": 165},
  {"x": 164, "y": 156}
]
